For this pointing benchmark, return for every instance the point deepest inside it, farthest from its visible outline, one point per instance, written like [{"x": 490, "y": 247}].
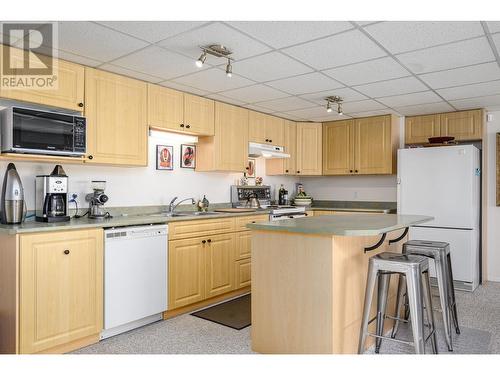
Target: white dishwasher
[{"x": 135, "y": 277}]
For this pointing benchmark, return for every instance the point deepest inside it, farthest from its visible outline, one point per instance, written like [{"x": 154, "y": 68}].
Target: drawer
[
  {"x": 243, "y": 273},
  {"x": 242, "y": 221},
  {"x": 197, "y": 228}
]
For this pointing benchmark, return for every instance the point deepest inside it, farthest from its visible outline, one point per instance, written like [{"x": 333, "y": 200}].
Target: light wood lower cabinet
[
  {"x": 219, "y": 258},
  {"x": 243, "y": 270},
  {"x": 309, "y": 149},
  {"x": 61, "y": 286}
]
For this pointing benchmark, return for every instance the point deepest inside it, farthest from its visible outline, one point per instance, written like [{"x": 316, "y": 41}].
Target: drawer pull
[
  {"x": 188, "y": 126},
  {"x": 253, "y": 222},
  {"x": 182, "y": 125},
  {"x": 203, "y": 241},
  {"x": 209, "y": 240},
  {"x": 66, "y": 252}
]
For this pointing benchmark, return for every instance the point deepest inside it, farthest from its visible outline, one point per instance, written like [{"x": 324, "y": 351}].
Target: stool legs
[
  {"x": 415, "y": 302},
  {"x": 429, "y": 311},
  {"x": 442, "y": 275},
  {"x": 370, "y": 286},
  {"x": 453, "y": 304},
  {"x": 400, "y": 299},
  {"x": 383, "y": 289}
]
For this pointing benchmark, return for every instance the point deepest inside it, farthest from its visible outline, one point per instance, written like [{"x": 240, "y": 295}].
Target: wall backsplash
[
  {"x": 352, "y": 188},
  {"x": 146, "y": 185}
]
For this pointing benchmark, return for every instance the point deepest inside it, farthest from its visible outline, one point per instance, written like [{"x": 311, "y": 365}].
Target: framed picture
[
  {"x": 188, "y": 156},
  {"x": 250, "y": 173},
  {"x": 164, "y": 158}
]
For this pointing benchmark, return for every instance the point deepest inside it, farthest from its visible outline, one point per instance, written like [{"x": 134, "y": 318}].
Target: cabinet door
[
  {"x": 68, "y": 94},
  {"x": 464, "y": 126},
  {"x": 243, "y": 244},
  {"x": 338, "y": 150},
  {"x": 372, "y": 145},
  {"x": 186, "y": 272},
  {"x": 198, "y": 115},
  {"x": 243, "y": 273},
  {"x": 274, "y": 130},
  {"x": 257, "y": 127},
  {"x": 219, "y": 255},
  {"x": 116, "y": 111},
  {"x": 165, "y": 108},
  {"x": 231, "y": 127},
  {"x": 418, "y": 129},
  {"x": 287, "y": 166},
  {"x": 61, "y": 283},
  {"x": 309, "y": 148}
]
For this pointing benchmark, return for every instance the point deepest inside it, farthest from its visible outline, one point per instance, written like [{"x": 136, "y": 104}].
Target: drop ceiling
[{"x": 288, "y": 68}]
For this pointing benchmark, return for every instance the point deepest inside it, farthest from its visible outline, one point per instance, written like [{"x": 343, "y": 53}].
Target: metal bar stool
[
  {"x": 440, "y": 252},
  {"x": 415, "y": 268}
]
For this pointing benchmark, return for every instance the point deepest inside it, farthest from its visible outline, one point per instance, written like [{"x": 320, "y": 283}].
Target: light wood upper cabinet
[
  {"x": 198, "y": 115},
  {"x": 219, "y": 252},
  {"x": 374, "y": 145},
  {"x": 418, "y": 129},
  {"x": 69, "y": 90},
  {"x": 61, "y": 283},
  {"x": 309, "y": 148},
  {"x": 116, "y": 111},
  {"x": 266, "y": 129},
  {"x": 179, "y": 112},
  {"x": 338, "y": 150},
  {"x": 464, "y": 125},
  {"x": 227, "y": 150},
  {"x": 286, "y": 166}
]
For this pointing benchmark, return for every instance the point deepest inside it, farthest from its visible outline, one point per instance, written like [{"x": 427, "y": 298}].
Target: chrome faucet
[{"x": 172, "y": 205}]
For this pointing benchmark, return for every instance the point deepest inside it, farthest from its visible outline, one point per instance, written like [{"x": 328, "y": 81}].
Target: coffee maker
[
  {"x": 96, "y": 200},
  {"x": 51, "y": 196}
]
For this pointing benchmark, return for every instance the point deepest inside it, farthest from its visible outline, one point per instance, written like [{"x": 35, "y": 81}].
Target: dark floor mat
[{"x": 234, "y": 314}]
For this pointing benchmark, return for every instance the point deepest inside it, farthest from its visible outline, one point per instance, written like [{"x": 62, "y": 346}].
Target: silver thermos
[{"x": 13, "y": 204}]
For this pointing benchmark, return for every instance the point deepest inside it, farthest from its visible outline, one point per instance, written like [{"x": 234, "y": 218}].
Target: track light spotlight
[
  {"x": 339, "y": 109},
  {"x": 201, "y": 60},
  {"x": 334, "y": 99},
  {"x": 328, "y": 106},
  {"x": 229, "y": 68}
]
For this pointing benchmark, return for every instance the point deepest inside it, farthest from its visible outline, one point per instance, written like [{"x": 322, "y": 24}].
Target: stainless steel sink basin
[{"x": 197, "y": 213}]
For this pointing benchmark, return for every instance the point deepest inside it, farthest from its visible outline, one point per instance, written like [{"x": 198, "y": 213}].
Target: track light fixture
[
  {"x": 334, "y": 99},
  {"x": 217, "y": 50}
]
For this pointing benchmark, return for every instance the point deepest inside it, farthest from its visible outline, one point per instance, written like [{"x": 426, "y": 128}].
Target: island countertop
[{"x": 343, "y": 225}]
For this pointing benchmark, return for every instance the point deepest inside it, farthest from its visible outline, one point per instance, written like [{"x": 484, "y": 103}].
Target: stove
[{"x": 286, "y": 212}]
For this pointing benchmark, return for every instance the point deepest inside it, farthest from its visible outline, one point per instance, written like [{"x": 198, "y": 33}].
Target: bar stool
[
  {"x": 440, "y": 252},
  {"x": 415, "y": 268}
]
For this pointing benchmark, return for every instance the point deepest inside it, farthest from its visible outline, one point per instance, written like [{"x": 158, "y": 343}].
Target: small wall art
[
  {"x": 250, "y": 169},
  {"x": 188, "y": 156},
  {"x": 164, "y": 157}
]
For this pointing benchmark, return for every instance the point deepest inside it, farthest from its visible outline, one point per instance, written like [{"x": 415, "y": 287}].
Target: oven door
[{"x": 43, "y": 132}]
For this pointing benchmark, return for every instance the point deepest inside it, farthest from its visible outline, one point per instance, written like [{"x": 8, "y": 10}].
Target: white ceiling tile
[
  {"x": 393, "y": 87},
  {"x": 314, "y": 112},
  {"x": 462, "y": 76},
  {"x": 288, "y": 116},
  {"x": 449, "y": 56},
  {"x": 224, "y": 99},
  {"x": 258, "y": 108},
  {"x": 479, "y": 102},
  {"x": 306, "y": 83},
  {"x": 158, "y": 62},
  {"x": 374, "y": 113},
  {"x": 368, "y": 71},
  {"x": 95, "y": 41},
  {"x": 77, "y": 59},
  {"x": 471, "y": 91},
  {"x": 286, "y": 104},
  {"x": 255, "y": 93},
  {"x": 423, "y": 97},
  {"x": 494, "y": 26},
  {"x": 496, "y": 40},
  {"x": 366, "y": 23},
  {"x": 281, "y": 34},
  {"x": 403, "y": 36},
  {"x": 361, "y": 106},
  {"x": 152, "y": 31},
  {"x": 346, "y": 93},
  {"x": 330, "y": 117},
  {"x": 423, "y": 109},
  {"x": 216, "y": 33},
  {"x": 213, "y": 80},
  {"x": 178, "y": 86},
  {"x": 269, "y": 67},
  {"x": 130, "y": 73},
  {"x": 342, "y": 49}
]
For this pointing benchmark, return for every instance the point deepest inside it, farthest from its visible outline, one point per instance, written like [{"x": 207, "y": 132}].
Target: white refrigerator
[{"x": 444, "y": 182}]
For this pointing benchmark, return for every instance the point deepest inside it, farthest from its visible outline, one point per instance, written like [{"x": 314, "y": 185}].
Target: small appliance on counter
[
  {"x": 13, "y": 205},
  {"x": 96, "y": 200},
  {"x": 51, "y": 196},
  {"x": 243, "y": 194}
]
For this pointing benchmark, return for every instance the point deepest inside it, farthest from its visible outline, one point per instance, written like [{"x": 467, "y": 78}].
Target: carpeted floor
[{"x": 478, "y": 312}]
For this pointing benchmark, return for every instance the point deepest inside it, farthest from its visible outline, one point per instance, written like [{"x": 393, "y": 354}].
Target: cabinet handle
[
  {"x": 286, "y": 170},
  {"x": 267, "y": 140},
  {"x": 209, "y": 240},
  {"x": 270, "y": 140},
  {"x": 253, "y": 222},
  {"x": 306, "y": 214},
  {"x": 298, "y": 171},
  {"x": 80, "y": 105},
  {"x": 188, "y": 126},
  {"x": 356, "y": 171},
  {"x": 182, "y": 125},
  {"x": 90, "y": 157},
  {"x": 203, "y": 241},
  {"x": 66, "y": 252}
]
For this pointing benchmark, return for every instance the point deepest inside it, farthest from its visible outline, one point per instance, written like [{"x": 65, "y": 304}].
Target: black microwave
[{"x": 34, "y": 131}]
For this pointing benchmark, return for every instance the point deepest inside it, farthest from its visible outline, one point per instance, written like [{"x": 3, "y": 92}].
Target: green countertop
[{"x": 343, "y": 225}]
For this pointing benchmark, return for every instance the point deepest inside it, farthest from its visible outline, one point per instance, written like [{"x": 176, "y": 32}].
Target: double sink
[{"x": 182, "y": 213}]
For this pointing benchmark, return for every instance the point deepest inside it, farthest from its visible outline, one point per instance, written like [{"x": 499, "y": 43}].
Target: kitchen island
[{"x": 309, "y": 277}]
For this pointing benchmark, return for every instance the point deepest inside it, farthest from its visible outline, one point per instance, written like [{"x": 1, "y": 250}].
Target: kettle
[
  {"x": 252, "y": 201},
  {"x": 13, "y": 205}
]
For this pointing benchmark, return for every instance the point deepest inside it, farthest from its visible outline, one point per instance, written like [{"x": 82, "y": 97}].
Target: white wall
[
  {"x": 146, "y": 185},
  {"x": 492, "y": 211}
]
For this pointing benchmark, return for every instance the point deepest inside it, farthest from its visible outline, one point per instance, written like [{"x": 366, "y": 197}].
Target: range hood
[{"x": 266, "y": 151}]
